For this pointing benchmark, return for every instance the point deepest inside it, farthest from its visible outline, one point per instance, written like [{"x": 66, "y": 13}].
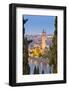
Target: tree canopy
[{"x": 53, "y": 49}]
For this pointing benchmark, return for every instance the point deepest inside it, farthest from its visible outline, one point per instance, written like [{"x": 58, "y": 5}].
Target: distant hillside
[{"x": 38, "y": 39}]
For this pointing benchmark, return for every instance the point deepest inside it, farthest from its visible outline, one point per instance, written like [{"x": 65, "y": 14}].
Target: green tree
[
  {"x": 36, "y": 70},
  {"x": 53, "y": 49},
  {"x": 26, "y": 68},
  {"x": 25, "y": 57},
  {"x": 42, "y": 71},
  {"x": 24, "y": 21}
]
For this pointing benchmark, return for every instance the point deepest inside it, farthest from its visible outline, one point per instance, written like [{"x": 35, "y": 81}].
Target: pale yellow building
[{"x": 43, "y": 41}]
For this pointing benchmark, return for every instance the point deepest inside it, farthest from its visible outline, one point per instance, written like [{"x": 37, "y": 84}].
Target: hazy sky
[{"x": 36, "y": 24}]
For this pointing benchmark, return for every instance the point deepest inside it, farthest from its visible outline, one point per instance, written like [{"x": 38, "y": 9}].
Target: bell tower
[{"x": 43, "y": 40}]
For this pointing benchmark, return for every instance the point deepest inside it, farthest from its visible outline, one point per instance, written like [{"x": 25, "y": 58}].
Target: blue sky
[{"x": 36, "y": 24}]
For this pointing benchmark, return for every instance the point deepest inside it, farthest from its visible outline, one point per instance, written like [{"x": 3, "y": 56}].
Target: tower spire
[{"x": 43, "y": 31}]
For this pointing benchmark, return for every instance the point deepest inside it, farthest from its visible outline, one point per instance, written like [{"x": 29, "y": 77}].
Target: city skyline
[{"x": 36, "y": 24}]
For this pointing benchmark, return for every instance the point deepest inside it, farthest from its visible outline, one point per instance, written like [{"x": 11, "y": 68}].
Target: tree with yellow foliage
[{"x": 36, "y": 52}]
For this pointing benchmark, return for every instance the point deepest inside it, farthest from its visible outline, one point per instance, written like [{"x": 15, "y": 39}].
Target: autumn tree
[{"x": 37, "y": 52}]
